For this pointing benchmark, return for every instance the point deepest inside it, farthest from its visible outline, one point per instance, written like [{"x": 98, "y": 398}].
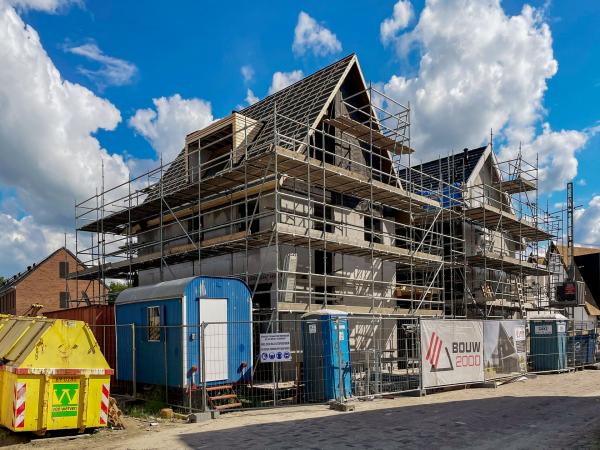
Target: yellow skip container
[{"x": 53, "y": 375}]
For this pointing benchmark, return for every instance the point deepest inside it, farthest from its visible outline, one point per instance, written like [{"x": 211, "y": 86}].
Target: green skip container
[{"x": 548, "y": 345}]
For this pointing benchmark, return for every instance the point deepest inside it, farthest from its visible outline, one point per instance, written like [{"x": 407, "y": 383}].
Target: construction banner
[
  {"x": 504, "y": 348},
  {"x": 451, "y": 352}
]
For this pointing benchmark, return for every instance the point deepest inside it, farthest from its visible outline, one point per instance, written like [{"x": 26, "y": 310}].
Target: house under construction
[
  {"x": 309, "y": 195},
  {"x": 505, "y": 233}
]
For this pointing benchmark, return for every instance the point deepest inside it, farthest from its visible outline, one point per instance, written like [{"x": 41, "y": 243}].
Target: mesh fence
[{"x": 265, "y": 364}]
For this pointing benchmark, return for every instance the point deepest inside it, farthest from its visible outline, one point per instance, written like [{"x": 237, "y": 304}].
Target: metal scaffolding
[
  {"x": 310, "y": 216},
  {"x": 310, "y": 196},
  {"x": 510, "y": 235}
]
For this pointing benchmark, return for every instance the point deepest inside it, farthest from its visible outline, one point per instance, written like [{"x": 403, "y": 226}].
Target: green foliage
[
  {"x": 149, "y": 408},
  {"x": 114, "y": 289}
]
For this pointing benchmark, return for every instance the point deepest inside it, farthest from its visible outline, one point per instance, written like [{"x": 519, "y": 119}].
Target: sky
[{"x": 87, "y": 84}]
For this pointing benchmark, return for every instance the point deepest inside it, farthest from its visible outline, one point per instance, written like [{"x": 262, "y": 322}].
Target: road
[{"x": 550, "y": 411}]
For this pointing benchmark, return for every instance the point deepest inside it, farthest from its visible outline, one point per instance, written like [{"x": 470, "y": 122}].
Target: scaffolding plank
[
  {"x": 506, "y": 263},
  {"x": 343, "y": 180},
  {"x": 291, "y": 163},
  {"x": 368, "y": 134},
  {"x": 288, "y": 234},
  {"x": 291, "y": 307},
  {"x": 492, "y": 217},
  {"x": 515, "y": 186}
]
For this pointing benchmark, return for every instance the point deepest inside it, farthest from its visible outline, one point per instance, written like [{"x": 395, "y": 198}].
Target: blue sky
[{"x": 197, "y": 50}]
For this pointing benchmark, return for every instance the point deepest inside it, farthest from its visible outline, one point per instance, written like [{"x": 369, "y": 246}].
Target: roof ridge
[
  {"x": 303, "y": 79},
  {"x": 12, "y": 280}
]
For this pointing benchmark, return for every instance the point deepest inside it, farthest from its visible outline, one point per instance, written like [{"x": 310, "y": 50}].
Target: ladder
[
  {"x": 222, "y": 397},
  {"x": 520, "y": 297}
]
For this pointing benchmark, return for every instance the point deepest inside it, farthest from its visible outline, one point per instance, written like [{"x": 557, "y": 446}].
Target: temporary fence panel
[
  {"x": 384, "y": 354},
  {"x": 581, "y": 343},
  {"x": 452, "y": 352},
  {"x": 317, "y": 358},
  {"x": 504, "y": 348}
]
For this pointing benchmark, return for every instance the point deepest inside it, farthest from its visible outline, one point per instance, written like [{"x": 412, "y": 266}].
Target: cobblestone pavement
[{"x": 550, "y": 411}]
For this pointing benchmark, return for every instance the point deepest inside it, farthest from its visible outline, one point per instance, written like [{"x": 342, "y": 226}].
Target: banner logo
[{"x": 433, "y": 354}]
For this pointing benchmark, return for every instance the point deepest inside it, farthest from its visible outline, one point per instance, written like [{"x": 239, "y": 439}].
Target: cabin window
[
  {"x": 63, "y": 300},
  {"x": 63, "y": 269},
  {"x": 153, "y": 323}
]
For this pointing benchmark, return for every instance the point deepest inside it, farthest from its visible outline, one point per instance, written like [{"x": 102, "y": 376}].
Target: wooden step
[
  {"x": 219, "y": 388},
  {"x": 222, "y": 397},
  {"x": 228, "y": 406}
]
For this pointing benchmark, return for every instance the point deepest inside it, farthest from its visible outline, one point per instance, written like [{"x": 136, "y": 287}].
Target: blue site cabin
[{"x": 167, "y": 318}]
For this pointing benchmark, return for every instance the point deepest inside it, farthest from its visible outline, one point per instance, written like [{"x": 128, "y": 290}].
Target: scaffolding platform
[
  {"x": 301, "y": 308},
  {"x": 287, "y": 234},
  {"x": 368, "y": 134},
  {"x": 492, "y": 218},
  {"x": 515, "y": 186},
  {"x": 509, "y": 264},
  {"x": 282, "y": 160}
]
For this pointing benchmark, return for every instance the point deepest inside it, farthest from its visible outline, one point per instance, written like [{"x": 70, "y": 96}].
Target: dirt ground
[{"x": 550, "y": 411}]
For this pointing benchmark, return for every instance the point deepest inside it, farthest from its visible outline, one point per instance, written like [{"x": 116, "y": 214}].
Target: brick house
[{"x": 46, "y": 283}]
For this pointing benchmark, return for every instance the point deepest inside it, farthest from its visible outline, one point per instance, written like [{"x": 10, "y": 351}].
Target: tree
[
  {"x": 2, "y": 280},
  {"x": 114, "y": 289}
]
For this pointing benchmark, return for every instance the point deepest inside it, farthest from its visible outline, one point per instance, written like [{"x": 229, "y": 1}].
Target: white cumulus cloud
[
  {"x": 24, "y": 242},
  {"x": 587, "y": 223},
  {"x": 401, "y": 17},
  {"x": 166, "y": 126},
  {"x": 247, "y": 72},
  {"x": 284, "y": 79},
  {"x": 251, "y": 99},
  {"x": 112, "y": 71},
  {"x": 50, "y": 6},
  {"x": 310, "y": 36},
  {"x": 556, "y": 154},
  {"x": 49, "y": 155},
  {"x": 482, "y": 69}
]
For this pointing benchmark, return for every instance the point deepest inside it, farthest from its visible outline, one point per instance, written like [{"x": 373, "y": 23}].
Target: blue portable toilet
[
  {"x": 167, "y": 318},
  {"x": 322, "y": 360}
]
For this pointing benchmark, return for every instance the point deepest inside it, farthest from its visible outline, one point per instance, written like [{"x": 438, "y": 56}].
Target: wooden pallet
[{"x": 222, "y": 397}]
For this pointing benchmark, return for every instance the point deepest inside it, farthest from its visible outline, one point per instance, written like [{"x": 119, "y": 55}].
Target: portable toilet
[
  {"x": 162, "y": 322},
  {"x": 53, "y": 375},
  {"x": 326, "y": 363},
  {"x": 548, "y": 344}
]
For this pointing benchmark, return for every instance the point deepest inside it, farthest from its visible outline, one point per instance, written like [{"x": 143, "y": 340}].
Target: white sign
[
  {"x": 275, "y": 347},
  {"x": 452, "y": 352},
  {"x": 543, "y": 329}
]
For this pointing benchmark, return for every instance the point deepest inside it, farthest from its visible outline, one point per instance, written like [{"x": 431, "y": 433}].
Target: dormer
[{"x": 220, "y": 145}]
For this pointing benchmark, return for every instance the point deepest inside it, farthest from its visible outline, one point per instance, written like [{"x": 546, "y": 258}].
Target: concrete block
[
  {"x": 203, "y": 416},
  {"x": 344, "y": 407}
]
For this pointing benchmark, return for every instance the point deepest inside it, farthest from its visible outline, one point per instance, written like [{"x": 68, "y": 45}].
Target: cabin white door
[{"x": 215, "y": 338}]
